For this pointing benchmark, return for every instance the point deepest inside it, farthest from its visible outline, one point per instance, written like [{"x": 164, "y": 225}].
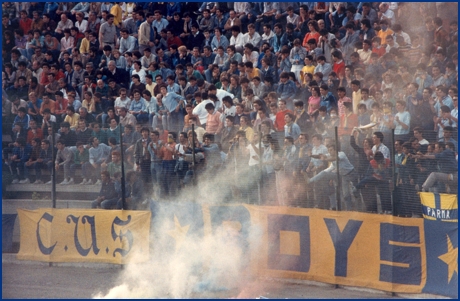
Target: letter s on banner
[
  {"x": 400, "y": 254},
  {"x": 129, "y": 236}
]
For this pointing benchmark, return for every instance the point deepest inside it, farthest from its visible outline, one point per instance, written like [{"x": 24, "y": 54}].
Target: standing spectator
[
  {"x": 108, "y": 33},
  {"x": 147, "y": 34}
]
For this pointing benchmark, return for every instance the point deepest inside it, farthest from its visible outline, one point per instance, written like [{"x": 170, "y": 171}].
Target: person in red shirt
[
  {"x": 58, "y": 74},
  {"x": 33, "y": 132},
  {"x": 348, "y": 120},
  {"x": 25, "y": 23},
  {"x": 171, "y": 39},
  {"x": 377, "y": 46},
  {"x": 168, "y": 164},
  {"x": 312, "y": 34},
  {"x": 279, "y": 119},
  {"x": 60, "y": 104},
  {"x": 339, "y": 65},
  {"x": 77, "y": 36}
]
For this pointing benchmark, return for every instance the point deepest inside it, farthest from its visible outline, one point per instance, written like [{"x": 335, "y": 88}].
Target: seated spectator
[
  {"x": 98, "y": 153},
  {"x": 83, "y": 132},
  {"x": 34, "y": 132},
  {"x": 135, "y": 199},
  {"x": 21, "y": 155},
  {"x": 107, "y": 194},
  {"x": 81, "y": 156},
  {"x": 44, "y": 160},
  {"x": 64, "y": 158},
  {"x": 68, "y": 136}
]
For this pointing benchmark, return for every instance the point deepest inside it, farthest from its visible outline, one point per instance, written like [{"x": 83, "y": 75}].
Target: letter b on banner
[{"x": 288, "y": 242}]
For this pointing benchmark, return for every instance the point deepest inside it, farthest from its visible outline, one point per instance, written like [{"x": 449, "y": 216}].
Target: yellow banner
[
  {"x": 347, "y": 248},
  {"x": 83, "y": 235},
  {"x": 439, "y": 206}
]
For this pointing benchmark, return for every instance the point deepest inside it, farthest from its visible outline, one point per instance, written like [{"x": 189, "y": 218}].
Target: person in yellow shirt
[
  {"x": 117, "y": 12},
  {"x": 244, "y": 126},
  {"x": 308, "y": 68},
  {"x": 385, "y": 30},
  {"x": 84, "y": 46},
  {"x": 72, "y": 117},
  {"x": 251, "y": 71}
]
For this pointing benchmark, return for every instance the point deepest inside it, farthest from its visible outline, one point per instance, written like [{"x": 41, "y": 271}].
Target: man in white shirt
[
  {"x": 385, "y": 13},
  {"x": 201, "y": 112},
  {"x": 252, "y": 36},
  {"x": 237, "y": 38},
  {"x": 122, "y": 101},
  {"x": 126, "y": 42}
]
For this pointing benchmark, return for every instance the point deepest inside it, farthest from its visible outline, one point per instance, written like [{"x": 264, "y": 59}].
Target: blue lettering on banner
[
  {"x": 240, "y": 214},
  {"x": 342, "y": 242},
  {"x": 128, "y": 235},
  {"x": 45, "y": 250},
  {"x": 281, "y": 222},
  {"x": 406, "y": 267},
  {"x": 90, "y": 219}
]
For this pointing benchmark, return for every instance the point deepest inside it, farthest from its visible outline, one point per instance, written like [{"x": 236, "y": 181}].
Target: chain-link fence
[{"x": 346, "y": 173}]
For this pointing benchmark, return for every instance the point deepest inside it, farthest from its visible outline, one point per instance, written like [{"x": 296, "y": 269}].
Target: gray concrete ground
[{"x": 25, "y": 279}]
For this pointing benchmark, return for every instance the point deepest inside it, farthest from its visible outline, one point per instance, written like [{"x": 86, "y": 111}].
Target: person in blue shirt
[
  {"x": 22, "y": 117},
  {"x": 327, "y": 99},
  {"x": 219, "y": 40},
  {"x": 174, "y": 104},
  {"x": 448, "y": 169},
  {"x": 287, "y": 90},
  {"x": 291, "y": 129},
  {"x": 21, "y": 154},
  {"x": 138, "y": 108}
]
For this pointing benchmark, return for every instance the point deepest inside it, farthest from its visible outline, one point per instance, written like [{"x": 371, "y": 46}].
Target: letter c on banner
[
  {"x": 129, "y": 236},
  {"x": 45, "y": 250}
]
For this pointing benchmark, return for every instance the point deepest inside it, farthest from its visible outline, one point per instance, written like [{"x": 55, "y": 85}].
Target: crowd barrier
[{"x": 402, "y": 255}]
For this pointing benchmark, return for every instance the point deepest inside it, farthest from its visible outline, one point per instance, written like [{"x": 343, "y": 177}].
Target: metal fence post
[
  {"x": 123, "y": 188},
  {"x": 338, "y": 193},
  {"x": 53, "y": 170}
]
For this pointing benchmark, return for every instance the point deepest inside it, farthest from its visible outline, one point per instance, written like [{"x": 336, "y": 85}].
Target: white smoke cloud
[{"x": 202, "y": 266}]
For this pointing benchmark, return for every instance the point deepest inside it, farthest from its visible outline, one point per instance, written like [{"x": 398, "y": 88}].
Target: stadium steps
[{"x": 64, "y": 193}]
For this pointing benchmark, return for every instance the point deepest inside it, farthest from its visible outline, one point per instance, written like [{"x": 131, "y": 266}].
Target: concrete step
[
  {"x": 43, "y": 191},
  {"x": 10, "y": 206},
  {"x": 59, "y": 188}
]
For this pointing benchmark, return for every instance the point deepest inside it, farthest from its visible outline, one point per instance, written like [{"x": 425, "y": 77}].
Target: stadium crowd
[{"x": 264, "y": 84}]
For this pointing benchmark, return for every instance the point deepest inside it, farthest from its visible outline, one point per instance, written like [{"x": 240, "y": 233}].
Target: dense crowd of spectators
[{"x": 264, "y": 84}]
